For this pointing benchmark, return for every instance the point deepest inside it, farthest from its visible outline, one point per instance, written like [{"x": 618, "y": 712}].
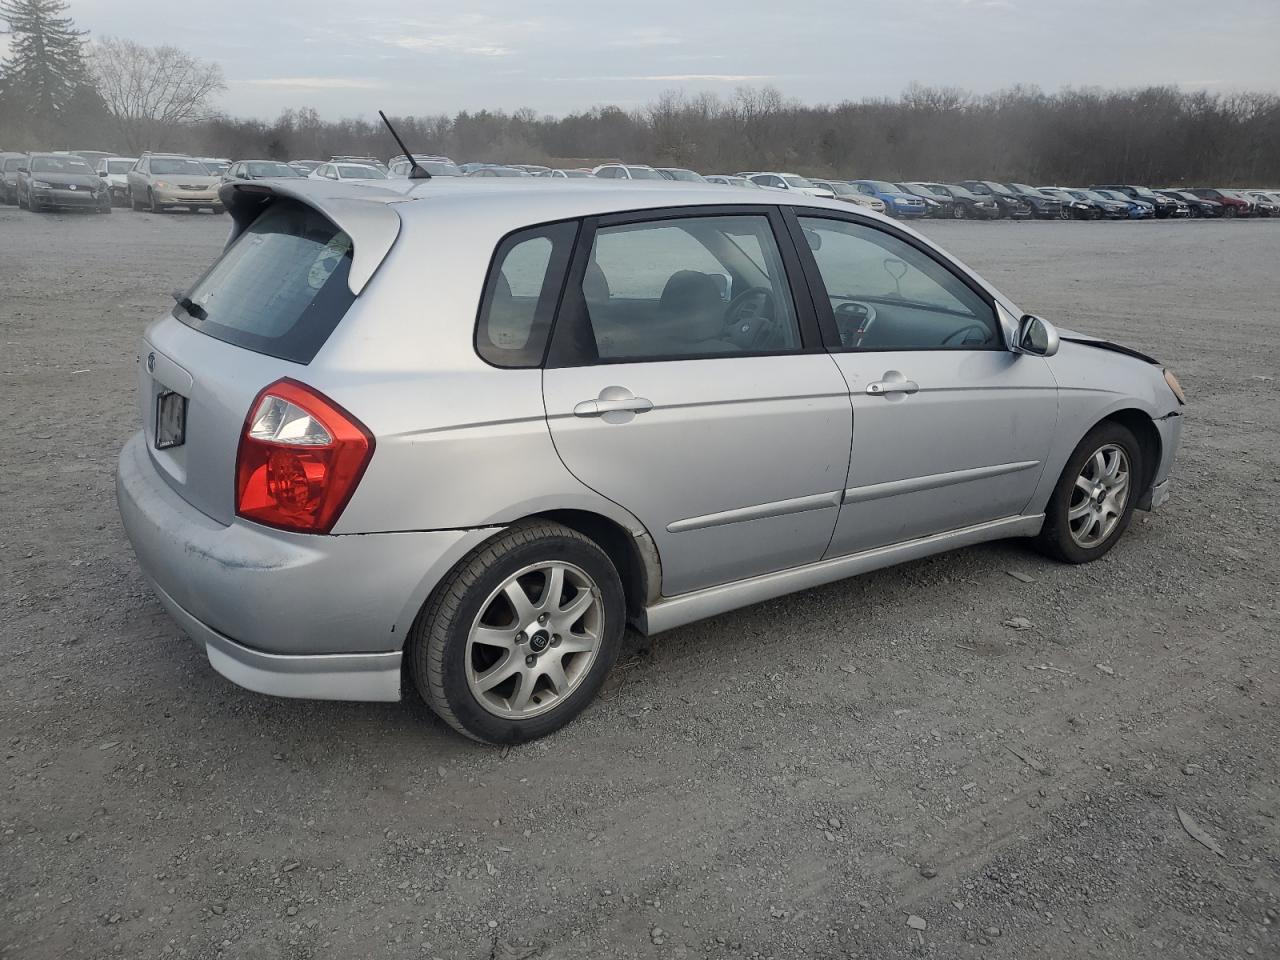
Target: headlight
[
  {"x": 1176, "y": 387},
  {"x": 41, "y": 185},
  {"x": 160, "y": 183}
]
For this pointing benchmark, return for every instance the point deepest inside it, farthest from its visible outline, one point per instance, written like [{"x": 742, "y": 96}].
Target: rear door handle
[
  {"x": 884, "y": 388},
  {"x": 598, "y": 408}
]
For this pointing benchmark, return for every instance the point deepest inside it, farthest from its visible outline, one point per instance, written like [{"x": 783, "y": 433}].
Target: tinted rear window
[{"x": 280, "y": 289}]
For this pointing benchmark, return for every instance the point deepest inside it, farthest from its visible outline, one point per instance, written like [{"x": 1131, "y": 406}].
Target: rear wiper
[{"x": 189, "y": 305}]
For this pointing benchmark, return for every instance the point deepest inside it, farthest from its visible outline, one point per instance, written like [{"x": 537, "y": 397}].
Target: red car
[{"x": 1232, "y": 205}]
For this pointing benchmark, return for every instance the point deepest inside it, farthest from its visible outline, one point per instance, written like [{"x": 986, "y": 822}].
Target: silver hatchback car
[{"x": 460, "y": 433}]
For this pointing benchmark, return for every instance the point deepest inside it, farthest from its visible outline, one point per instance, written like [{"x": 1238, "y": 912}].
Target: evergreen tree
[{"x": 45, "y": 69}]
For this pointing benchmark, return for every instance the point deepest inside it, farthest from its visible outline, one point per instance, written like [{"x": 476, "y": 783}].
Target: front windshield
[
  {"x": 686, "y": 175},
  {"x": 60, "y": 165},
  {"x": 842, "y": 189},
  {"x": 1000, "y": 188},
  {"x": 1024, "y": 188},
  {"x": 958, "y": 191},
  {"x": 799, "y": 182},
  {"x": 576, "y": 174},
  {"x": 119, "y": 166},
  {"x": 1144, "y": 192},
  {"x": 351, "y": 171},
  {"x": 13, "y": 163},
  {"x": 216, "y": 166},
  {"x": 644, "y": 173},
  {"x": 440, "y": 168},
  {"x": 880, "y": 186},
  {"x": 266, "y": 168},
  {"x": 180, "y": 166}
]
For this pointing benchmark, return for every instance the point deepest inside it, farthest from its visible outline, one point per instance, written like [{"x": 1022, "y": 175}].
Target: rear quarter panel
[{"x": 459, "y": 443}]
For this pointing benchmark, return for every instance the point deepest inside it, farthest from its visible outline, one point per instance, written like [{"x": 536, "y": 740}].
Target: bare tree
[{"x": 153, "y": 91}]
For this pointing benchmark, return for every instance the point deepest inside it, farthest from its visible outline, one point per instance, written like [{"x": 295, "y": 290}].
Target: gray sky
[{"x": 349, "y": 57}]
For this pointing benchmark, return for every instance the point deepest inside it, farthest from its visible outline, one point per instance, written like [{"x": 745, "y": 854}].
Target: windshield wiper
[{"x": 189, "y": 305}]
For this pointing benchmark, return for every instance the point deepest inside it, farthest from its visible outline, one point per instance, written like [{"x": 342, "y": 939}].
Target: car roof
[{"x": 510, "y": 203}]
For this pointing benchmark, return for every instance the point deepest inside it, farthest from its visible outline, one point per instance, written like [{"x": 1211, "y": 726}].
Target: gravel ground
[{"x": 878, "y": 768}]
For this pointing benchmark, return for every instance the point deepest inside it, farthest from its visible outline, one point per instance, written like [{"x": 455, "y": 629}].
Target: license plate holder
[{"x": 171, "y": 420}]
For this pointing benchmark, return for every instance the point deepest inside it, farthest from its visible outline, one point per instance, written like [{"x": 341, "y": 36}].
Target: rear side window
[
  {"x": 521, "y": 293},
  {"x": 280, "y": 289}
]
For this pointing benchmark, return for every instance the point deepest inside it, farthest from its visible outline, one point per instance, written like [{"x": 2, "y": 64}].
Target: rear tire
[
  {"x": 1090, "y": 508},
  {"x": 469, "y": 632}
]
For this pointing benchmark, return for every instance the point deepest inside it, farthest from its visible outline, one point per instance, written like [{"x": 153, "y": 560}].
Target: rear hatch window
[{"x": 280, "y": 289}]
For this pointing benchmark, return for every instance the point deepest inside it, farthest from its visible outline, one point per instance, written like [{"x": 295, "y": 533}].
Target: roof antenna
[{"x": 416, "y": 170}]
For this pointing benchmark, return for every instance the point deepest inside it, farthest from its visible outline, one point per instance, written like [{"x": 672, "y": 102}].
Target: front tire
[
  {"x": 1093, "y": 501},
  {"x": 151, "y": 202},
  {"x": 957, "y": 211},
  {"x": 519, "y": 637}
]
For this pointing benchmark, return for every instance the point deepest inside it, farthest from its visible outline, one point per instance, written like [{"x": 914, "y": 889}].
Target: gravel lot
[{"x": 879, "y": 768}]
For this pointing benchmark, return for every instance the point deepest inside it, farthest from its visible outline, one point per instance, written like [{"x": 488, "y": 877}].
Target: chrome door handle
[
  {"x": 884, "y": 388},
  {"x": 598, "y": 408}
]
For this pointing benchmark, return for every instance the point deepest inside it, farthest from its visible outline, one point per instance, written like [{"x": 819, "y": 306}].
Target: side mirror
[{"x": 1036, "y": 337}]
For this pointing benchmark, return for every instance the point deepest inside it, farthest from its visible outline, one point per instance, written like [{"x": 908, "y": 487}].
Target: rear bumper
[
  {"x": 282, "y": 613},
  {"x": 350, "y": 676}
]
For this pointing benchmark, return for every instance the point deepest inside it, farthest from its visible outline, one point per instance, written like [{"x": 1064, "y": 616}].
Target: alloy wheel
[
  {"x": 534, "y": 640},
  {"x": 1100, "y": 495}
]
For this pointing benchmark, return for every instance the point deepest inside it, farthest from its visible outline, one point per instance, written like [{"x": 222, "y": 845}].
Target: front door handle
[
  {"x": 885, "y": 388},
  {"x": 598, "y": 408}
]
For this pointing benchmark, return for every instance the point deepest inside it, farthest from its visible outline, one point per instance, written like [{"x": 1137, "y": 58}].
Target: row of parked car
[{"x": 161, "y": 181}]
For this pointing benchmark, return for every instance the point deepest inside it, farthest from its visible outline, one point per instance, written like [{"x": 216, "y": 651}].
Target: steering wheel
[
  {"x": 749, "y": 319},
  {"x": 853, "y": 319},
  {"x": 956, "y": 333}
]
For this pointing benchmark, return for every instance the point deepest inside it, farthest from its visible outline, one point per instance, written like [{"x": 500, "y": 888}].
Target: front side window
[
  {"x": 280, "y": 289},
  {"x": 886, "y": 294},
  {"x": 685, "y": 288},
  {"x": 521, "y": 293}
]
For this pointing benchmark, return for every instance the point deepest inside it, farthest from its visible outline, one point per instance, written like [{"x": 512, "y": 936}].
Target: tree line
[{"x": 58, "y": 91}]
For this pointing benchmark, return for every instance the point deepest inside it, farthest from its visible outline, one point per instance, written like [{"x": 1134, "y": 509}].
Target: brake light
[{"x": 300, "y": 459}]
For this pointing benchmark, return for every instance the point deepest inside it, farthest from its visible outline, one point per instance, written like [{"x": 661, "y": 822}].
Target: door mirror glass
[{"x": 1037, "y": 337}]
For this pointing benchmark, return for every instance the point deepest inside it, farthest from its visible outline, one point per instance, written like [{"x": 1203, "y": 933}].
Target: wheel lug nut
[
  {"x": 522, "y": 637},
  {"x": 542, "y": 618},
  {"x": 555, "y": 640},
  {"x": 530, "y": 660}
]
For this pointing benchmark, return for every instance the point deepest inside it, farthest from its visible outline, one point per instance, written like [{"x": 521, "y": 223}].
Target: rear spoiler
[{"x": 370, "y": 222}]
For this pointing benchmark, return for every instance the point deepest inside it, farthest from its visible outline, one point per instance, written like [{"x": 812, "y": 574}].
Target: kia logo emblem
[{"x": 151, "y": 363}]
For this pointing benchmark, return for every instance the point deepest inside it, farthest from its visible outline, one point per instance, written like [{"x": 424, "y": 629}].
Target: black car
[
  {"x": 1042, "y": 207},
  {"x": 936, "y": 205},
  {"x": 1198, "y": 206},
  {"x": 9, "y": 164},
  {"x": 967, "y": 205},
  {"x": 1165, "y": 206},
  {"x": 59, "y": 180},
  {"x": 1011, "y": 205}
]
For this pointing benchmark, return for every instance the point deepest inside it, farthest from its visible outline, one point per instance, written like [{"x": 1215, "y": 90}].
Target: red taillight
[{"x": 300, "y": 459}]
